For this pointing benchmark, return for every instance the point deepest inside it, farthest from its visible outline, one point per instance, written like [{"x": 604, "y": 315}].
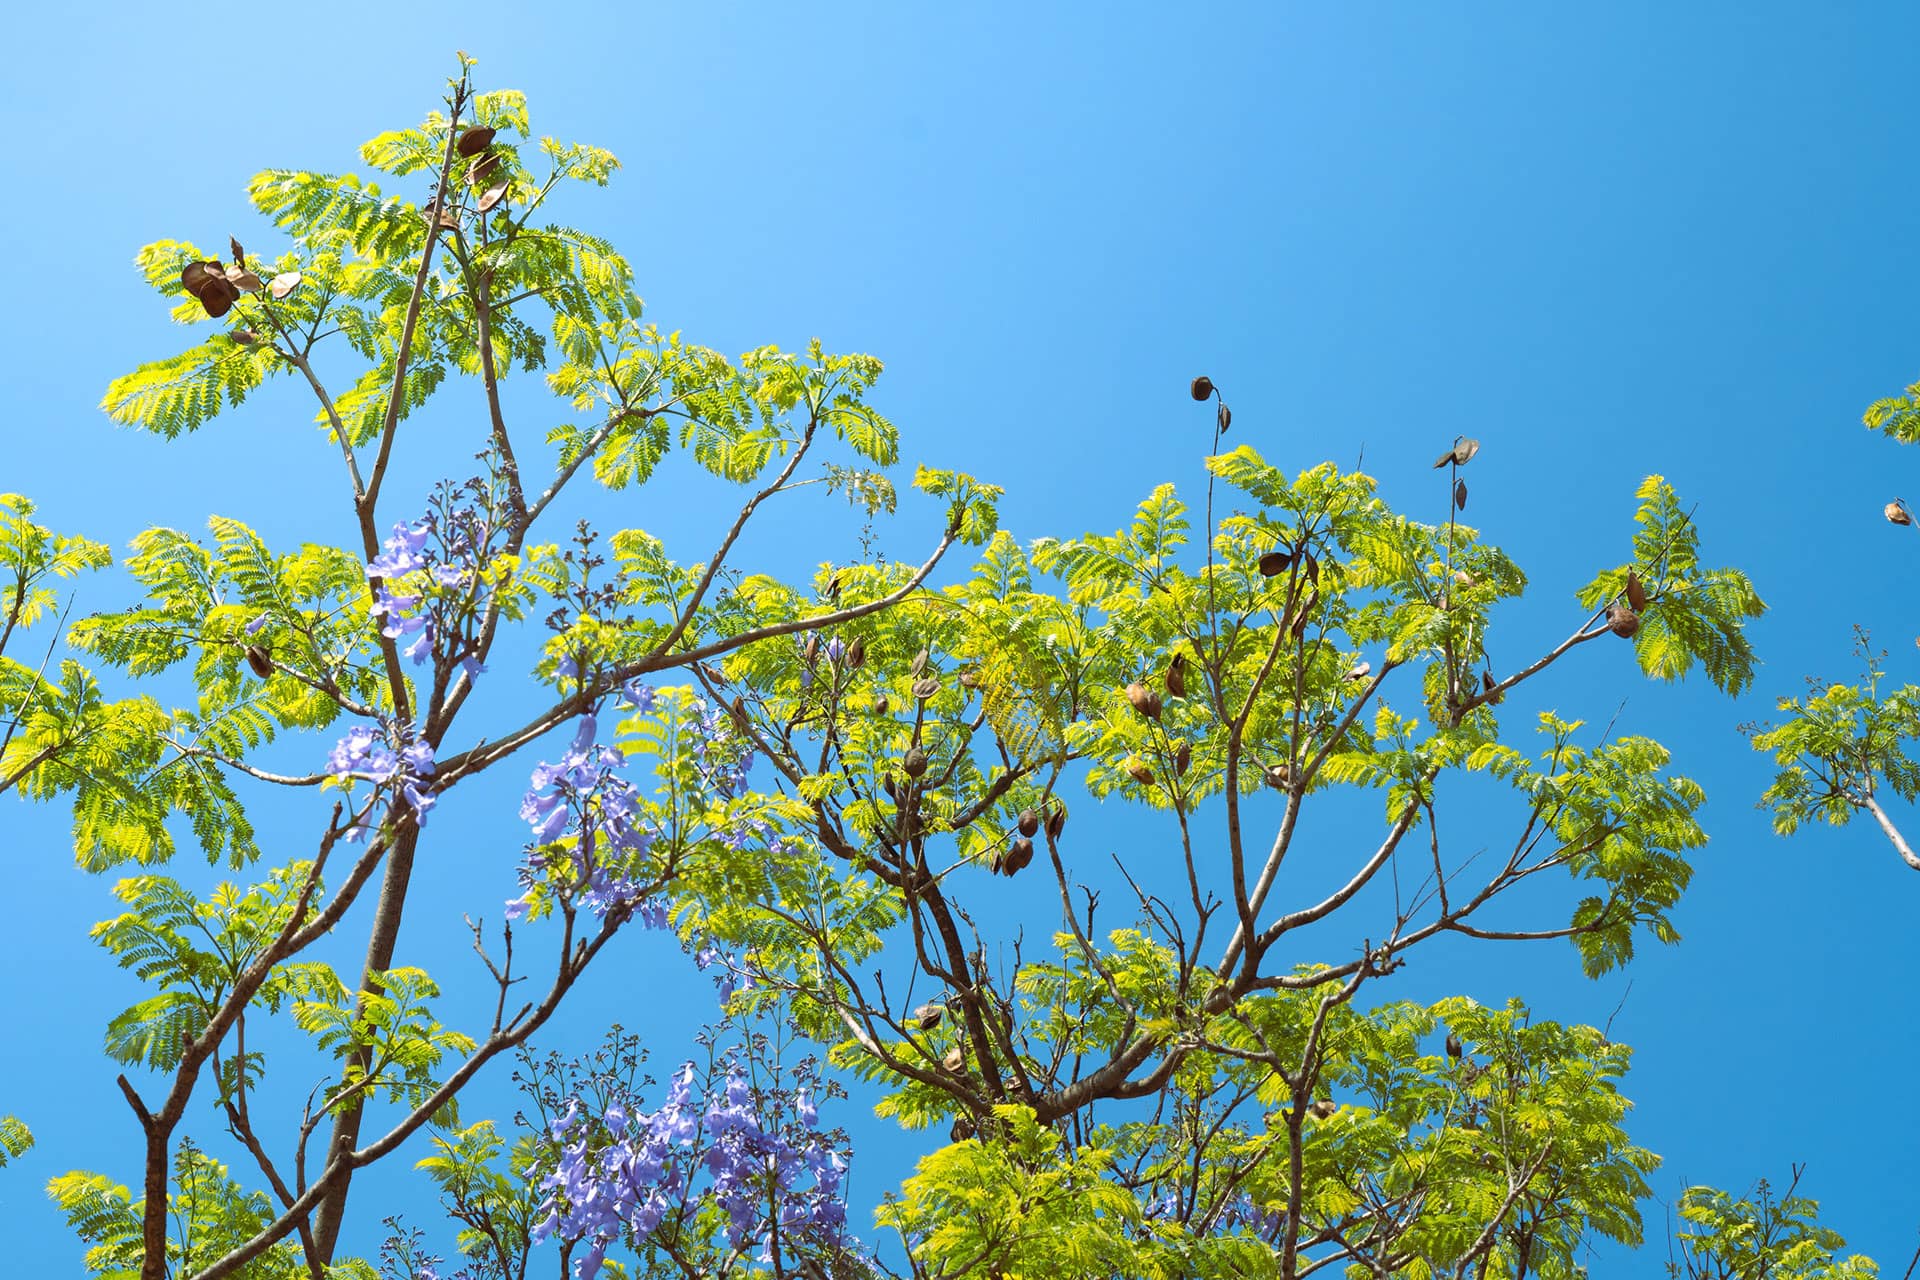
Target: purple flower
[
  {"x": 400, "y": 554},
  {"x": 254, "y": 628}
]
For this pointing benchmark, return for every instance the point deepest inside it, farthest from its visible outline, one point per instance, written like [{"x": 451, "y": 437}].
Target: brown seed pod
[
  {"x": 1464, "y": 578},
  {"x": 245, "y": 337},
  {"x": 881, "y": 706},
  {"x": 1056, "y": 821},
  {"x": 1460, "y": 455},
  {"x": 243, "y": 280},
  {"x": 1019, "y": 855},
  {"x": 1636, "y": 594},
  {"x": 856, "y": 654},
  {"x": 1323, "y": 1108},
  {"x": 195, "y": 276},
  {"x": 1140, "y": 773},
  {"x": 1223, "y": 417},
  {"x": 956, "y": 1060},
  {"x": 474, "y": 140},
  {"x": 283, "y": 284},
  {"x": 1279, "y": 777},
  {"x": 960, "y": 1130},
  {"x": 1454, "y": 1047},
  {"x": 446, "y": 219},
  {"x": 1144, "y": 700},
  {"x": 1360, "y": 671},
  {"x": 1460, "y": 495},
  {"x": 1895, "y": 511},
  {"x": 1622, "y": 621},
  {"x": 1311, "y": 567},
  {"x": 1491, "y": 688},
  {"x": 1306, "y": 611},
  {"x": 915, "y": 762},
  {"x": 924, "y": 689},
  {"x": 239, "y": 254},
  {"x": 260, "y": 658},
  {"x": 217, "y": 296},
  {"x": 1029, "y": 822},
  {"x": 1202, "y": 387},
  {"x": 1183, "y": 759},
  {"x": 810, "y": 652},
  {"x": 928, "y": 1016},
  {"x": 919, "y": 663},
  {"x": 969, "y": 679},
  {"x": 492, "y": 196},
  {"x": 739, "y": 710},
  {"x": 1273, "y": 564},
  {"x": 713, "y": 673},
  {"x": 481, "y": 171},
  {"x": 1177, "y": 676}
]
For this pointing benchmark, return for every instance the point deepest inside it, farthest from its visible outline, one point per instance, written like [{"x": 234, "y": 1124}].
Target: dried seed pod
[
  {"x": 1202, "y": 387},
  {"x": 474, "y": 140},
  {"x": 994, "y": 864},
  {"x": 1491, "y": 688},
  {"x": 928, "y": 1016},
  {"x": 1311, "y": 567},
  {"x": 1460, "y": 455},
  {"x": 1139, "y": 772},
  {"x": 260, "y": 658},
  {"x": 810, "y": 652},
  {"x": 1144, "y": 700},
  {"x": 1029, "y": 822},
  {"x": 1056, "y": 821},
  {"x": 960, "y": 1130},
  {"x": 1223, "y": 417},
  {"x": 956, "y": 1060},
  {"x": 195, "y": 276},
  {"x": 243, "y": 280},
  {"x": 881, "y": 706},
  {"x": 919, "y": 663},
  {"x": 1454, "y": 1048},
  {"x": 1279, "y": 777},
  {"x": 1183, "y": 759},
  {"x": 1360, "y": 671},
  {"x": 481, "y": 171},
  {"x": 245, "y": 337},
  {"x": 856, "y": 654},
  {"x": 1460, "y": 495},
  {"x": 713, "y": 673},
  {"x": 239, "y": 254},
  {"x": 283, "y": 284},
  {"x": 1323, "y": 1108},
  {"x": 492, "y": 196},
  {"x": 915, "y": 762},
  {"x": 1177, "y": 676},
  {"x": 1019, "y": 855},
  {"x": 1299, "y": 627},
  {"x": 1636, "y": 594},
  {"x": 1622, "y": 621},
  {"x": 739, "y": 710},
  {"x": 1896, "y": 511},
  {"x": 969, "y": 679},
  {"x": 924, "y": 689},
  {"x": 1273, "y": 564},
  {"x": 1464, "y": 578},
  {"x": 445, "y": 219}
]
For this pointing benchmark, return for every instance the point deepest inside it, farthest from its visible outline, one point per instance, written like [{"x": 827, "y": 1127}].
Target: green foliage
[
  {"x": 1897, "y": 416},
  {"x": 15, "y": 1139},
  {"x": 1760, "y": 1237}
]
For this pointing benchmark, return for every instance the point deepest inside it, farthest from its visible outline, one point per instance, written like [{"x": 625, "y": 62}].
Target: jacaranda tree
[{"x": 851, "y": 800}]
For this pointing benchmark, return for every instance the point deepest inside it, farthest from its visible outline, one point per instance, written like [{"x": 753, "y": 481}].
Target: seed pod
[
  {"x": 243, "y": 280},
  {"x": 482, "y": 170},
  {"x": 1491, "y": 688},
  {"x": 994, "y": 864},
  {"x": 810, "y": 652},
  {"x": 924, "y": 689},
  {"x": 492, "y": 196},
  {"x": 283, "y": 284},
  {"x": 195, "y": 276},
  {"x": 474, "y": 140},
  {"x": 239, "y": 254},
  {"x": 1323, "y": 1108},
  {"x": 1144, "y": 700},
  {"x": 1019, "y": 855},
  {"x": 1177, "y": 676},
  {"x": 1183, "y": 759},
  {"x": 260, "y": 658},
  {"x": 1454, "y": 1049},
  {"x": 1273, "y": 564},
  {"x": 960, "y": 1130},
  {"x": 1464, "y": 578},
  {"x": 1056, "y": 821},
  {"x": 445, "y": 219},
  {"x": 1279, "y": 777},
  {"x": 1360, "y": 671},
  {"x": 713, "y": 673},
  {"x": 1460, "y": 495},
  {"x": 1311, "y": 567},
  {"x": 245, "y": 337},
  {"x": 1622, "y": 621},
  {"x": 956, "y": 1060},
  {"x": 1139, "y": 772},
  {"x": 1460, "y": 455},
  {"x": 928, "y": 1016},
  {"x": 1029, "y": 822},
  {"x": 1202, "y": 387},
  {"x": 1636, "y": 594},
  {"x": 969, "y": 679},
  {"x": 856, "y": 654},
  {"x": 881, "y": 706},
  {"x": 1896, "y": 511},
  {"x": 1223, "y": 416},
  {"x": 919, "y": 663},
  {"x": 739, "y": 710},
  {"x": 915, "y": 762}
]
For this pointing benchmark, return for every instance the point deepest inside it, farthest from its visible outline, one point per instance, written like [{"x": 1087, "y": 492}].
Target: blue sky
[{"x": 1608, "y": 241}]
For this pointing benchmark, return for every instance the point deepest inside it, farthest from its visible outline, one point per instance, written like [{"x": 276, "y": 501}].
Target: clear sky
[{"x": 1607, "y": 240}]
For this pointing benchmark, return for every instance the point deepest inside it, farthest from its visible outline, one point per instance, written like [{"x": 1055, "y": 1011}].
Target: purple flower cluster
[
  {"x": 584, "y": 796},
  {"x": 368, "y": 753},
  {"x": 626, "y": 1170},
  {"x": 450, "y": 550}
]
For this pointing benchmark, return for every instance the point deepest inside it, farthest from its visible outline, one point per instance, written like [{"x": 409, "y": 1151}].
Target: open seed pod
[
  {"x": 1202, "y": 387},
  {"x": 1896, "y": 511},
  {"x": 1279, "y": 777},
  {"x": 1273, "y": 564},
  {"x": 955, "y": 1060},
  {"x": 713, "y": 673},
  {"x": 1139, "y": 772},
  {"x": 1029, "y": 822},
  {"x": 1177, "y": 676},
  {"x": 1622, "y": 621},
  {"x": 1323, "y": 1108},
  {"x": 195, "y": 276},
  {"x": 969, "y": 679},
  {"x": 1491, "y": 688},
  {"x": 245, "y": 337},
  {"x": 924, "y": 689},
  {"x": 208, "y": 283},
  {"x": 881, "y": 706},
  {"x": 1183, "y": 758},
  {"x": 445, "y": 219},
  {"x": 474, "y": 140},
  {"x": 1636, "y": 594},
  {"x": 928, "y": 1016},
  {"x": 856, "y": 654},
  {"x": 914, "y": 764},
  {"x": 239, "y": 254},
  {"x": 960, "y": 1130},
  {"x": 1360, "y": 671},
  {"x": 1454, "y": 1048},
  {"x": 492, "y": 196},
  {"x": 260, "y": 658},
  {"x": 482, "y": 170},
  {"x": 283, "y": 284},
  {"x": 739, "y": 710},
  {"x": 919, "y": 663},
  {"x": 810, "y": 652},
  {"x": 1056, "y": 821},
  {"x": 1019, "y": 855},
  {"x": 1460, "y": 455},
  {"x": 243, "y": 280},
  {"x": 1144, "y": 700}
]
